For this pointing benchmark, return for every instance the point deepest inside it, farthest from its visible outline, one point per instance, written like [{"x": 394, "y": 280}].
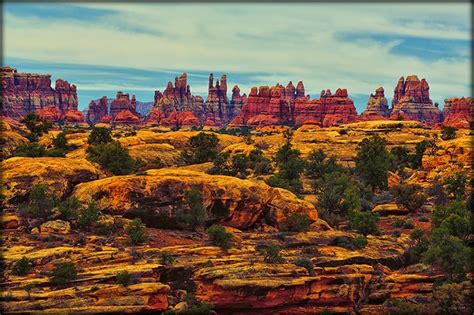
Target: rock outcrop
[
  {"x": 458, "y": 112},
  {"x": 97, "y": 110},
  {"x": 411, "y": 100},
  {"x": 158, "y": 198},
  {"x": 289, "y": 105},
  {"x": 176, "y": 107},
  {"x": 123, "y": 110},
  {"x": 236, "y": 102},
  {"x": 377, "y": 106},
  {"x": 23, "y": 93},
  {"x": 217, "y": 105}
]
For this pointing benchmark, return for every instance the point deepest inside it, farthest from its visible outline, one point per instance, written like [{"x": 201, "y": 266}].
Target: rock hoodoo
[
  {"x": 457, "y": 112},
  {"x": 123, "y": 110},
  {"x": 377, "y": 107},
  {"x": 411, "y": 100},
  {"x": 23, "y": 93},
  {"x": 97, "y": 111}
]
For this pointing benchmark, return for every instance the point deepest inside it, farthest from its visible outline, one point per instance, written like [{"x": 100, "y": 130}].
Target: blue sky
[{"x": 138, "y": 48}]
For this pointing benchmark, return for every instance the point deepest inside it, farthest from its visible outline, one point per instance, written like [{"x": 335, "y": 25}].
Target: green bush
[
  {"x": 201, "y": 148},
  {"x": 305, "y": 263},
  {"x": 416, "y": 159},
  {"x": 88, "y": 216},
  {"x": 399, "y": 158},
  {"x": 22, "y": 266},
  {"x": 436, "y": 190},
  {"x": 403, "y": 307},
  {"x": 410, "y": 196},
  {"x": 454, "y": 217},
  {"x": 453, "y": 298},
  {"x": 396, "y": 233},
  {"x": 36, "y": 125},
  {"x": 220, "y": 237},
  {"x": 62, "y": 273},
  {"x": 40, "y": 203},
  {"x": 99, "y": 135},
  {"x": 456, "y": 185},
  {"x": 30, "y": 150},
  {"x": 113, "y": 157},
  {"x": 372, "y": 162},
  {"x": 69, "y": 208},
  {"x": 123, "y": 278},
  {"x": 166, "y": 258},
  {"x": 398, "y": 223},
  {"x": 272, "y": 255},
  {"x": 448, "y": 133},
  {"x": 137, "y": 232},
  {"x": 296, "y": 222},
  {"x": 360, "y": 241},
  {"x": 318, "y": 164},
  {"x": 225, "y": 165},
  {"x": 60, "y": 141},
  {"x": 197, "y": 215},
  {"x": 365, "y": 222}
]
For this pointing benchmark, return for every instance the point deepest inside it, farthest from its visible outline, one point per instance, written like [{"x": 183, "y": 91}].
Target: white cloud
[{"x": 289, "y": 42}]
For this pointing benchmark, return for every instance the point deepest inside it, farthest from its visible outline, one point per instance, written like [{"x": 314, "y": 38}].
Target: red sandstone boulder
[{"x": 74, "y": 116}]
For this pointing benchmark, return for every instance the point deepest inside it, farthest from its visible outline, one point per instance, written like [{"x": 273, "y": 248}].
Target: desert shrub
[
  {"x": 396, "y": 233},
  {"x": 453, "y": 298},
  {"x": 399, "y": 158},
  {"x": 30, "y": 150},
  {"x": 88, "y": 216},
  {"x": 360, "y": 241},
  {"x": 365, "y": 222},
  {"x": 403, "y": 307},
  {"x": 201, "y": 148},
  {"x": 136, "y": 232},
  {"x": 69, "y": 208},
  {"x": 62, "y": 273},
  {"x": 456, "y": 185},
  {"x": 258, "y": 163},
  {"x": 272, "y": 255},
  {"x": 417, "y": 234},
  {"x": 448, "y": 252},
  {"x": 290, "y": 167},
  {"x": 220, "y": 237},
  {"x": 410, "y": 196},
  {"x": 113, "y": 157},
  {"x": 296, "y": 222},
  {"x": 343, "y": 131},
  {"x": 22, "y": 266},
  {"x": 337, "y": 196},
  {"x": 415, "y": 160},
  {"x": 123, "y": 278},
  {"x": 448, "y": 133},
  {"x": 454, "y": 217},
  {"x": 166, "y": 258},
  {"x": 408, "y": 226},
  {"x": 197, "y": 215},
  {"x": 372, "y": 162},
  {"x": 40, "y": 203},
  {"x": 436, "y": 190},
  {"x": 60, "y": 141},
  {"x": 36, "y": 125},
  {"x": 423, "y": 219},
  {"x": 305, "y": 263},
  {"x": 99, "y": 135},
  {"x": 224, "y": 164},
  {"x": 398, "y": 223},
  {"x": 318, "y": 164}
]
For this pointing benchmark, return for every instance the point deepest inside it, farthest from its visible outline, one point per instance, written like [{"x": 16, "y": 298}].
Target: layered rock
[
  {"x": 236, "y": 103},
  {"x": 411, "y": 100},
  {"x": 28, "y": 92},
  {"x": 97, "y": 110},
  {"x": 377, "y": 106},
  {"x": 216, "y": 110},
  {"x": 458, "y": 112},
  {"x": 123, "y": 110},
  {"x": 176, "y": 107}
]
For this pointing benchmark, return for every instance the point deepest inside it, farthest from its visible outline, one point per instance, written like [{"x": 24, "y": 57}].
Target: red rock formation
[
  {"x": 122, "y": 110},
  {"x": 97, "y": 110},
  {"x": 458, "y": 112},
  {"x": 176, "y": 107},
  {"x": 27, "y": 92},
  {"x": 377, "y": 107},
  {"x": 411, "y": 100},
  {"x": 217, "y": 105},
  {"x": 279, "y": 105},
  {"x": 236, "y": 103}
]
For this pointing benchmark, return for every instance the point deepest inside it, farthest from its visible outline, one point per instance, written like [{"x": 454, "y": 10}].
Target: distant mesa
[{"x": 23, "y": 93}]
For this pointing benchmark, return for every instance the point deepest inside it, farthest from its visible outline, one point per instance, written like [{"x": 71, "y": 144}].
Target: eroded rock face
[
  {"x": 123, "y": 110},
  {"x": 236, "y": 103},
  {"x": 411, "y": 100},
  {"x": 97, "y": 110},
  {"x": 458, "y": 112},
  {"x": 158, "y": 198},
  {"x": 216, "y": 108},
  {"x": 58, "y": 174},
  {"x": 28, "y": 92},
  {"x": 377, "y": 106}
]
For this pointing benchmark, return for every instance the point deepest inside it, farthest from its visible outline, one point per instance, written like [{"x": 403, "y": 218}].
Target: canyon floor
[{"x": 234, "y": 281}]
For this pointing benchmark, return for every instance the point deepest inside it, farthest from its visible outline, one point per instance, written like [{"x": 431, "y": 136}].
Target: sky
[{"x": 138, "y": 47}]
